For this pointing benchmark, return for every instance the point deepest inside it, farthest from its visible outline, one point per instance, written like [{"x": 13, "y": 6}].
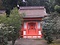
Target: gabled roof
[{"x": 35, "y": 11}]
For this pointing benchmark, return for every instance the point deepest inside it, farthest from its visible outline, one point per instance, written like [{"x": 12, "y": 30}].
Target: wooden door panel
[{"x": 31, "y": 28}]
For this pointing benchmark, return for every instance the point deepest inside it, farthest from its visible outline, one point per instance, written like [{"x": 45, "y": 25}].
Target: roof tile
[{"x": 33, "y": 11}]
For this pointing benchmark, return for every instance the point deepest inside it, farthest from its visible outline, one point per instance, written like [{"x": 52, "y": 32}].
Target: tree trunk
[
  {"x": 13, "y": 42},
  {"x": 1, "y": 43}
]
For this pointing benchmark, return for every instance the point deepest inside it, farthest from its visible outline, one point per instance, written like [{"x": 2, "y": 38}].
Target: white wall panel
[
  {"x": 38, "y": 25},
  {"x": 24, "y": 32},
  {"x": 24, "y": 36},
  {"x": 39, "y": 36},
  {"x": 39, "y": 32},
  {"x": 34, "y": 36},
  {"x": 25, "y": 26},
  {"x": 29, "y": 36}
]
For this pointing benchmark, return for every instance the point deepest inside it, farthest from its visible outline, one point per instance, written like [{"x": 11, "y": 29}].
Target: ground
[
  {"x": 55, "y": 42},
  {"x": 29, "y": 42},
  {"x": 34, "y": 42}
]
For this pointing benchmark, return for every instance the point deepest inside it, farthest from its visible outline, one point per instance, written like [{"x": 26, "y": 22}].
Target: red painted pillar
[{"x": 36, "y": 28}]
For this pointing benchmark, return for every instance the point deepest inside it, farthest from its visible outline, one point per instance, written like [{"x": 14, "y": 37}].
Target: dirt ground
[{"x": 30, "y": 42}]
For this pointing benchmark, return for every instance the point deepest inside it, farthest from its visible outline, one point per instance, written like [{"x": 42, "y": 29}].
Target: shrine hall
[{"x": 32, "y": 21}]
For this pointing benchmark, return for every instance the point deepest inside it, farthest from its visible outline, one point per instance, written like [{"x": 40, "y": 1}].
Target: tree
[
  {"x": 32, "y": 2},
  {"x": 57, "y": 2},
  {"x": 9, "y": 5},
  {"x": 57, "y": 8},
  {"x": 12, "y": 25},
  {"x": 51, "y": 27},
  {"x": 47, "y": 30},
  {"x": 3, "y": 32},
  {"x": 15, "y": 21},
  {"x": 1, "y": 6},
  {"x": 49, "y": 5}
]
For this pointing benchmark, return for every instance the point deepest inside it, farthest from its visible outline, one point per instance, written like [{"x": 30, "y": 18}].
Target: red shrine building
[{"x": 32, "y": 24}]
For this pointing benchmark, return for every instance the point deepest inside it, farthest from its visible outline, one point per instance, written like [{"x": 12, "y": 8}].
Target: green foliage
[
  {"x": 49, "y": 5},
  {"x": 11, "y": 25},
  {"x": 33, "y": 3},
  {"x": 51, "y": 27},
  {"x": 57, "y": 8},
  {"x": 3, "y": 40},
  {"x": 48, "y": 28},
  {"x": 57, "y": 2},
  {"x": 9, "y": 5}
]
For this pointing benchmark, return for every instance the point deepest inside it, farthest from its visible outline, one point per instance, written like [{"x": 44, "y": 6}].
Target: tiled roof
[{"x": 33, "y": 11}]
